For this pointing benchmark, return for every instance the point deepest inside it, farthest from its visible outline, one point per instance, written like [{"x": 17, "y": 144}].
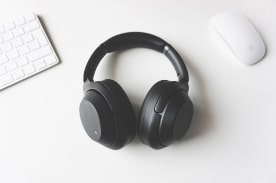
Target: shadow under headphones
[{"x": 106, "y": 112}]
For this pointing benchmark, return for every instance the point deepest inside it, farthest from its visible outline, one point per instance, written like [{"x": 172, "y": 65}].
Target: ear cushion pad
[
  {"x": 155, "y": 109},
  {"x": 146, "y": 112},
  {"x": 125, "y": 121}
]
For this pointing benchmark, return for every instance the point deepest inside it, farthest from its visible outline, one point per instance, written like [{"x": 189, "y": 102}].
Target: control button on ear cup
[
  {"x": 176, "y": 118},
  {"x": 96, "y": 118}
]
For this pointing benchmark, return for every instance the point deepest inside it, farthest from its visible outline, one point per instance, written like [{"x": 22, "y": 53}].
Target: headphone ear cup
[
  {"x": 106, "y": 113},
  {"x": 165, "y": 115}
]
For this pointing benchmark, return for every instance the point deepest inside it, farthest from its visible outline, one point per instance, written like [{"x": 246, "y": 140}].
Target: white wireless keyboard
[{"x": 25, "y": 50}]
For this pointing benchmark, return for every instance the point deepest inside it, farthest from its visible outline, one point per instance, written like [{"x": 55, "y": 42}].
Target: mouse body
[{"x": 240, "y": 36}]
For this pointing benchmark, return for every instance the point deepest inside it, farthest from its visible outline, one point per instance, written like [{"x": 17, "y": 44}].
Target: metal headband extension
[{"x": 136, "y": 40}]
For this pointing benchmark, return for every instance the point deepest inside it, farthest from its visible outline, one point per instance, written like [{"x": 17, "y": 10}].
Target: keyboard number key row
[
  {"x": 31, "y": 26},
  {"x": 20, "y": 21}
]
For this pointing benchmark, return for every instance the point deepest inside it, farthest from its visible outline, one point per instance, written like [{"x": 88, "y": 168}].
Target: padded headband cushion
[{"x": 136, "y": 40}]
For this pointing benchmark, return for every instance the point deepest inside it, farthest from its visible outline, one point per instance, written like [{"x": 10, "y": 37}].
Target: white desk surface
[{"x": 232, "y": 137}]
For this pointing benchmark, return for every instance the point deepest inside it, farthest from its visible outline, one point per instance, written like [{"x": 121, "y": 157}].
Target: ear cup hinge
[{"x": 87, "y": 85}]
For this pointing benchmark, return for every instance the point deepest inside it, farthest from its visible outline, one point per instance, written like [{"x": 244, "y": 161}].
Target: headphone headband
[{"x": 136, "y": 40}]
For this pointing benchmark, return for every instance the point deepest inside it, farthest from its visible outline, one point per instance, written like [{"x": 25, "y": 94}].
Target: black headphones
[{"x": 107, "y": 115}]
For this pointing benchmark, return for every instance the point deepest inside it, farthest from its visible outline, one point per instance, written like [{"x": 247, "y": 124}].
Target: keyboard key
[
  {"x": 6, "y": 79},
  {"x": 7, "y": 36},
  {"x": 37, "y": 33},
  {"x": 39, "y": 64},
  {"x": 31, "y": 26},
  {"x": 18, "y": 31},
  {"x": 3, "y": 59},
  {"x": 28, "y": 69},
  {"x": 17, "y": 42},
  {"x": 10, "y": 66},
  {"x": 2, "y": 70},
  {"x": 20, "y": 21},
  {"x": 2, "y": 29},
  {"x": 7, "y": 47},
  {"x": 43, "y": 41},
  {"x": 9, "y": 26},
  {"x": 41, "y": 52},
  {"x": 22, "y": 50},
  {"x": 27, "y": 38},
  {"x": 12, "y": 54},
  {"x": 30, "y": 17},
  {"x": 40, "y": 36},
  {"x": 33, "y": 45},
  {"x": 18, "y": 74},
  {"x": 22, "y": 61},
  {"x": 50, "y": 60}
]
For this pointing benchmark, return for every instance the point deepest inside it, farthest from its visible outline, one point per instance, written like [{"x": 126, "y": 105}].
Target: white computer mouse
[{"x": 240, "y": 36}]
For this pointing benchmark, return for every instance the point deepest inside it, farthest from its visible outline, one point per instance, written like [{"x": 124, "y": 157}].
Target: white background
[{"x": 232, "y": 137}]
